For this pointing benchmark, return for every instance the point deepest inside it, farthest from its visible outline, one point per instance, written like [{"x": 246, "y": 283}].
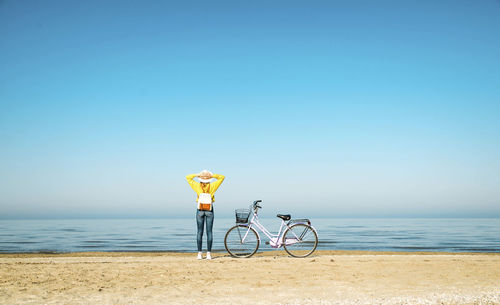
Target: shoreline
[{"x": 225, "y": 254}]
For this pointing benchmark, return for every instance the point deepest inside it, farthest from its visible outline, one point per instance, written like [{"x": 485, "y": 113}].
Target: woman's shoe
[
  {"x": 209, "y": 256},
  {"x": 200, "y": 256}
]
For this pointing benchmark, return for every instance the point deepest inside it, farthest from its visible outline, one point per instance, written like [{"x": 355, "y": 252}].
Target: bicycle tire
[
  {"x": 234, "y": 246},
  {"x": 302, "y": 240}
]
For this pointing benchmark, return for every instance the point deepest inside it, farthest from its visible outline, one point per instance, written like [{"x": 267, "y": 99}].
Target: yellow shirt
[{"x": 212, "y": 187}]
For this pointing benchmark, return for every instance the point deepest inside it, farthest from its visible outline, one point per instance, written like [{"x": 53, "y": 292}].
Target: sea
[{"x": 179, "y": 234}]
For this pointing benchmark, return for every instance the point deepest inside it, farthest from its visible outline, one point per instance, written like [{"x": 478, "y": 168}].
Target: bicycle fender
[
  {"x": 305, "y": 223},
  {"x": 315, "y": 231}
]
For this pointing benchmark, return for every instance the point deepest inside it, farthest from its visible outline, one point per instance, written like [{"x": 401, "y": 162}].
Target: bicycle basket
[{"x": 242, "y": 215}]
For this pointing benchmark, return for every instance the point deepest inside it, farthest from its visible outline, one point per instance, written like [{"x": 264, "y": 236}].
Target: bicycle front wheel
[
  {"x": 300, "y": 240},
  {"x": 241, "y": 241}
]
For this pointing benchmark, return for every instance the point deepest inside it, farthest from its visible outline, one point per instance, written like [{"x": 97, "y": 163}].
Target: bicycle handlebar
[{"x": 256, "y": 204}]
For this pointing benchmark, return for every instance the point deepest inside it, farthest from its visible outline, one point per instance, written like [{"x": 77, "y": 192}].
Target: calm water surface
[{"x": 393, "y": 234}]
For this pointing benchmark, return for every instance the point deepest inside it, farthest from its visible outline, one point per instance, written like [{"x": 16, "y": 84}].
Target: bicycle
[{"x": 299, "y": 238}]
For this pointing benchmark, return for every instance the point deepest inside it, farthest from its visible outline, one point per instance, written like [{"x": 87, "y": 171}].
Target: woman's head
[{"x": 205, "y": 176}]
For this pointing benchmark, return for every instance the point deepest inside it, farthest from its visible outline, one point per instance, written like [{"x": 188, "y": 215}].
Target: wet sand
[{"x": 327, "y": 277}]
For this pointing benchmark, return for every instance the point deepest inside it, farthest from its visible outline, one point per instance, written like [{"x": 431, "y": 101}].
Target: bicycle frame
[{"x": 275, "y": 240}]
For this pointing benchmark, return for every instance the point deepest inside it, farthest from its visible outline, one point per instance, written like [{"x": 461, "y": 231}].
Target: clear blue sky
[{"x": 320, "y": 108}]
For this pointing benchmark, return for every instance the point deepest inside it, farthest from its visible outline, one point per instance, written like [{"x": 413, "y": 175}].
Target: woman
[{"x": 205, "y": 198}]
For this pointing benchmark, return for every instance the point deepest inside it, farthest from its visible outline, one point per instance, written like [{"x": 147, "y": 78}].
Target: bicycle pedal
[{"x": 267, "y": 242}]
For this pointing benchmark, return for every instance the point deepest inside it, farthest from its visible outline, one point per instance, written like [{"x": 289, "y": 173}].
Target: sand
[{"x": 327, "y": 277}]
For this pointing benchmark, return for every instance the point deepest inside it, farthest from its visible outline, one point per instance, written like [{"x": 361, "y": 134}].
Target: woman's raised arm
[
  {"x": 215, "y": 185},
  {"x": 190, "y": 180}
]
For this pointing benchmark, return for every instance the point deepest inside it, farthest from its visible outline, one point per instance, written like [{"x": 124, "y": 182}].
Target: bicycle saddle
[{"x": 284, "y": 216}]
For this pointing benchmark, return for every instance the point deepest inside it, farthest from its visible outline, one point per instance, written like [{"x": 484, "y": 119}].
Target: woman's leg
[
  {"x": 210, "y": 224},
  {"x": 200, "y": 218}
]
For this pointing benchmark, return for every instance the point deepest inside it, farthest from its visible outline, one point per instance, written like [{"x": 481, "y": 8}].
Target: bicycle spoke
[
  {"x": 241, "y": 241},
  {"x": 239, "y": 233},
  {"x": 300, "y": 240}
]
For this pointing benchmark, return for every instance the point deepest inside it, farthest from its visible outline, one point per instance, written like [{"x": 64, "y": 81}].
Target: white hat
[{"x": 205, "y": 176}]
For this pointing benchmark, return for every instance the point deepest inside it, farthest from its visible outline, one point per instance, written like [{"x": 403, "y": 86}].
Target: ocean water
[{"x": 179, "y": 234}]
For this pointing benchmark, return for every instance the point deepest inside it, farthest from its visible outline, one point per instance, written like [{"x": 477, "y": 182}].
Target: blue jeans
[{"x": 201, "y": 217}]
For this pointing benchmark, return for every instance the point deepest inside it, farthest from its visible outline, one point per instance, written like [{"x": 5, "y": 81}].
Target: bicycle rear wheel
[
  {"x": 300, "y": 240},
  {"x": 241, "y": 241}
]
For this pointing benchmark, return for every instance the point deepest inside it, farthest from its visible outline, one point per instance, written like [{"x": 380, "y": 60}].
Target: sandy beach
[{"x": 327, "y": 277}]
